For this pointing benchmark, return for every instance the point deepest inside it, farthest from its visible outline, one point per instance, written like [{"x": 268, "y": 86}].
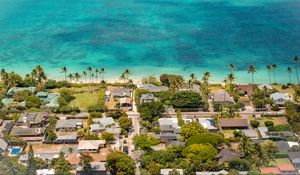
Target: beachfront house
[
  {"x": 233, "y": 123},
  {"x": 265, "y": 87},
  {"x": 222, "y": 97},
  {"x": 92, "y": 146},
  {"x": 68, "y": 125},
  {"x": 245, "y": 90},
  {"x": 50, "y": 99},
  {"x": 280, "y": 98},
  {"x": 13, "y": 90},
  {"x": 153, "y": 88},
  {"x": 123, "y": 96},
  {"x": 147, "y": 98}
]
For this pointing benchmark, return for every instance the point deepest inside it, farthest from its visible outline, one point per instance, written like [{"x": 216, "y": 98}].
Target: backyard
[{"x": 85, "y": 100}]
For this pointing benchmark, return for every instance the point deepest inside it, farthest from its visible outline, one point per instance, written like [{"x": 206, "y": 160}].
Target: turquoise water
[{"x": 150, "y": 36}]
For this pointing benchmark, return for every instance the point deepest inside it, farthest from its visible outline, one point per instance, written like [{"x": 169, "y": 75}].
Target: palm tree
[
  {"x": 205, "y": 79},
  {"x": 252, "y": 70},
  {"x": 84, "y": 74},
  {"x": 127, "y": 73},
  {"x": 97, "y": 73},
  {"x": 296, "y": 60},
  {"x": 77, "y": 77},
  {"x": 70, "y": 76},
  {"x": 192, "y": 80},
  {"x": 64, "y": 70},
  {"x": 230, "y": 78},
  {"x": 274, "y": 66},
  {"x": 231, "y": 67},
  {"x": 90, "y": 69},
  {"x": 225, "y": 81},
  {"x": 289, "y": 70},
  {"x": 123, "y": 77},
  {"x": 102, "y": 71},
  {"x": 269, "y": 68}
]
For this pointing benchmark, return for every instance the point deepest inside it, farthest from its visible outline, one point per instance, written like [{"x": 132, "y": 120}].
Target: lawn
[
  {"x": 282, "y": 161},
  {"x": 84, "y": 100},
  {"x": 276, "y": 120},
  {"x": 289, "y": 90},
  {"x": 228, "y": 133},
  {"x": 83, "y": 88}
]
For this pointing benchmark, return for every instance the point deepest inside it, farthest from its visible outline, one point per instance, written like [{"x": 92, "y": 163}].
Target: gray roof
[
  {"x": 105, "y": 121},
  {"x": 33, "y": 117},
  {"x": 222, "y": 96},
  {"x": 11, "y": 91},
  {"x": 250, "y": 133},
  {"x": 208, "y": 123},
  {"x": 147, "y": 97},
  {"x": 219, "y": 172},
  {"x": 3, "y": 145},
  {"x": 167, "y": 136},
  {"x": 113, "y": 130},
  {"x": 69, "y": 123},
  {"x": 294, "y": 157},
  {"x": 96, "y": 127},
  {"x": 16, "y": 131},
  {"x": 226, "y": 155},
  {"x": 96, "y": 166},
  {"x": 47, "y": 155},
  {"x": 278, "y": 95},
  {"x": 282, "y": 146},
  {"x": 263, "y": 132},
  {"x": 121, "y": 93},
  {"x": 175, "y": 143},
  {"x": 67, "y": 137},
  {"x": 7, "y": 101},
  {"x": 154, "y": 88},
  {"x": 66, "y": 149}
]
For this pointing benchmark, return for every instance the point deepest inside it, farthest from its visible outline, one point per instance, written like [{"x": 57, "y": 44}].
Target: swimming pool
[{"x": 15, "y": 150}]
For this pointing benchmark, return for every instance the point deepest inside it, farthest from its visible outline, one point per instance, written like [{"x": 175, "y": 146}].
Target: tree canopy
[
  {"x": 150, "y": 110},
  {"x": 144, "y": 142},
  {"x": 120, "y": 163},
  {"x": 186, "y": 99},
  {"x": 192, "y": 129},
  {"x": 207, "y": 138}
]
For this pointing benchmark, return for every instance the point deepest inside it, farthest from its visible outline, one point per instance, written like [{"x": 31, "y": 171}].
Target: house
[
  {"x": 250, "y": 133},
  {"x": 226, "y": 155},
  {"x": 90, "y": 145},
  {"x": 125, "y": 101},
  {"x": 169, "y": 125},
  {"x": 167, "y": 137},
  {"x": 66, "y": 139},
  {"x": 105, "y": 121},
  {"x": 263, "y": 132},
  {"x": 118, "y": 93},
  {"x": 97, "y": 127},
  {"x": 233, "y": 123},
  {"x": 51, "y": 99},
  {"x": 169, "y": 171},
  {"x": 3, "y": 145},
  {"x": 153, "y": 88},
  {"x": 97, "y": 168},
  {"x": 265, "y": 86},
  {"x": 13, "y": 90},
  {"x": 47, "y": 155},
  {"x": 222, "y": 172},
  {"x": 222, "y": 97},
  {"x": 29, "y": 134},
  {"x": 284, "y": 146},
  {"x": 68, "y": 125},
  {"x": 281, "y": 169},
  {"x": 45, "y": 172},
  {"x": 207, "y": 123},
  {"x": 5, "y": 127},
  {"x": 7, "y": 102},
  {"x": 245, "y": 90},
  {"x": 175, "y": 143},
  {"x": 116, "y": 131},
  {"x": 147, "y": 98},
  {"x": 33, "y": 119},
  {"x": 294, "y": 157},
  {"x": 280, "y": 98}
]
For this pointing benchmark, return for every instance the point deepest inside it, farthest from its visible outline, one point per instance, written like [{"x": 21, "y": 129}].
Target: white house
[{"x": 280, "y": 98}]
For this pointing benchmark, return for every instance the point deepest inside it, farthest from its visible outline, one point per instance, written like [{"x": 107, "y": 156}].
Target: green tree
[
  {"x": 269, "y": 148},
  {"x": 192, "y": 129},
  {"x": 172, "y": 81},
  {"x": 296, "y": 60},
  {"x": 20, "y": 96},
  {"x": 40, "y": 163},
  {"x": 231, "y": 68},
  {"x": 150, "y": 110},
  {"x": 31, "y": 168},
  {"x": 67, "y": 94},
  {"x": 200, "y": 152},
  {"x": 274, "y": 66},
  {"x": 85, "y": 162},
  {"x": 108, "y": 137},
  {"x": 207, "y": 138},
  {"x": 61, "y": 165},
  {"x": 186, "y": 99},
  {"x": 144, "y": 142},
  {"x": 252, "y": 70},
  {"x": 64, "y": 70},
  {"x": 269, "y": 68},
  {"x": 33, "y": 102},
  {"x": 289, "y": 70},
  {"x": 119, "y": 163}
]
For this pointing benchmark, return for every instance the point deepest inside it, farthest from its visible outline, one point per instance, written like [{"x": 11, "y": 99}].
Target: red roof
[
  {"x": 269, "y": 170},
  {"x": 286, "y": 167}
]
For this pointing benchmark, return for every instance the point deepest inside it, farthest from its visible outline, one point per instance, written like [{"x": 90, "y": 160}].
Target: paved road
[{"x": 136, "y": 130}]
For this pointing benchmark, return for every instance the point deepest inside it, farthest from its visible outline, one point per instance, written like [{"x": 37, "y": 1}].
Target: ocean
[{"x": 151, "y": 37}]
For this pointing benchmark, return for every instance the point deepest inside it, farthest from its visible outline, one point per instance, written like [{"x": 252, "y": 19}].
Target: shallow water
[{"x": 150, "y": 36}]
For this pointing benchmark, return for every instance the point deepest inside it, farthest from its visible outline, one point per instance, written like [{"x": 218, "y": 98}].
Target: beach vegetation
[
  {"x": 172, "y": 81},
  {"x": 33, "y": 102}
]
